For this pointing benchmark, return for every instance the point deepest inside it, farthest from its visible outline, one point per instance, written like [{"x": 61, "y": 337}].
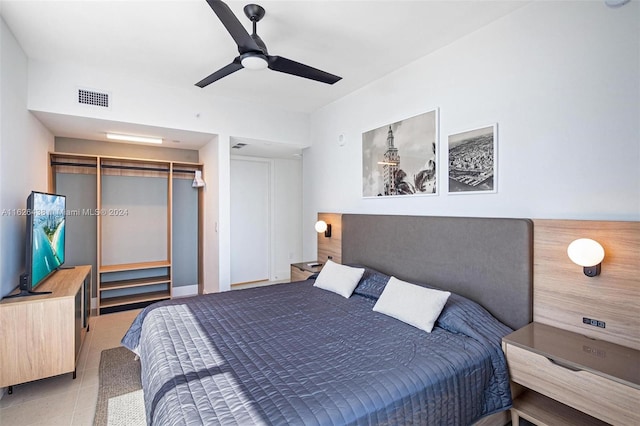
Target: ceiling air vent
[
  {"x": 89, "y": 97},
  {"x": 239, "y": 145}
]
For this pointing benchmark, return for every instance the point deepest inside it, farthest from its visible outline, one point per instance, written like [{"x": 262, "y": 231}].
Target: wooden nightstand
[
  {"x": 302, "y": 271},
  {"x": 562, "y": 369}
]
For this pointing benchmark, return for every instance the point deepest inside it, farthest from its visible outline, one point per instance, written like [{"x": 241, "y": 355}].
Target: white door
[{"x": 250, "y": 221}]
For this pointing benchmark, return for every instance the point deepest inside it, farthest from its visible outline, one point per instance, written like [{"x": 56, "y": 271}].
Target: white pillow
[
  {"x": 415, "y": 305},
  {"x": 338, "y": 278}
]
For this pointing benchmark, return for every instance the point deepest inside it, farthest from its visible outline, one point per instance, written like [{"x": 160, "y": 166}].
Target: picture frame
[
  {"x": 401, "y": 158},
  {"x": 472, "y": 161}
]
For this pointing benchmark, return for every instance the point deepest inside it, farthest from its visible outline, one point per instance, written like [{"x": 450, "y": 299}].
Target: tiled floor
[{"x": 61, "y": 400}]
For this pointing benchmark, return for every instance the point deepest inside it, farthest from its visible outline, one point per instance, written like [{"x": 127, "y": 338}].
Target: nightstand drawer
[
  {"x": 303, "y": 270},
  {"x": 598, "y": 396},
  {"x": 298, "y": 274}
]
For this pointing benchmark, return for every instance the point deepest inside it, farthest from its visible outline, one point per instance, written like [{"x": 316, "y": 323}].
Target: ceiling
[
  {"x": 179, "y": 42},
  {"x": 95, "y": 129}
]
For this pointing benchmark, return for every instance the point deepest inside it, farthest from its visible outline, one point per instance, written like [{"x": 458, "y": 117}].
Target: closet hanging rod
[
  {"x": 109, "y": 166},
  {"x": 144, "y": 169},
  {"x": 64, "y": 163}
]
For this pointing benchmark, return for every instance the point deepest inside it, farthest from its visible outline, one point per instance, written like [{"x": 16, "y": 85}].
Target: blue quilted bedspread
[{"x": 294, "y": 354}]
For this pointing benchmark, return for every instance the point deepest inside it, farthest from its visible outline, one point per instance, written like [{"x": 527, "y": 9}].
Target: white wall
[
  {"x": 53, "y": 88},
  {"x": 24, "y": 144},
  {"x": 216, "y": 273},
  {"x": 561, "y": 79}
]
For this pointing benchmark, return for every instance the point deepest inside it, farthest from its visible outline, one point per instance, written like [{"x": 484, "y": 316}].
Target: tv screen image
[{"x": 46, "y": 228}]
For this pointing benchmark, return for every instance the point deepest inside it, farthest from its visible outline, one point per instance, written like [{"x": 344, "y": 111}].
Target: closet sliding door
[{"x": 250, "y": 220}]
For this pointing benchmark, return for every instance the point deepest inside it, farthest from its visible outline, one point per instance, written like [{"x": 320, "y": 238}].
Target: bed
[{"x": 298, "y": 354}]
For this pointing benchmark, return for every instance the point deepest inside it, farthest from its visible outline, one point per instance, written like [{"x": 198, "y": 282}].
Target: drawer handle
[{"x": 568, "y": 367}]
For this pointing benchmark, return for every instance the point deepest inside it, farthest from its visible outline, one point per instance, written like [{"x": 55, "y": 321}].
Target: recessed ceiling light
[{"x": 132, "y": 138}]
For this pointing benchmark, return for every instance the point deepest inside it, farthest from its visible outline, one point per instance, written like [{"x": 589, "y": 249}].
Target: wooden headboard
[
  {"x": 331, "y": 248},
  {"x": 487, "y": 260},
  {"x": 563, "y": 295}
]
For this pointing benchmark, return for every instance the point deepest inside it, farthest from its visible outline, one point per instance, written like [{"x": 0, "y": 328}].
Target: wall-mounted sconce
[
  {"x": 198, "y": 182},
  {"x": 588, "y": 254},
  {"x": 322, "y": 226}
]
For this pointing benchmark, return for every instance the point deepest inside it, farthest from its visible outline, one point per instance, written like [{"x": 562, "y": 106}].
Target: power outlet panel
[{"x": 593, "y": 322}]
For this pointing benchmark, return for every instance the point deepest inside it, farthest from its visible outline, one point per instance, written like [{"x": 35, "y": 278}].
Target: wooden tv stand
[{"x": 41, "y": 335}]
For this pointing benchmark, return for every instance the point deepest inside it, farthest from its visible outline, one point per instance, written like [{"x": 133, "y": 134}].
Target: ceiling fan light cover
[{"x": 254, "y": 62}]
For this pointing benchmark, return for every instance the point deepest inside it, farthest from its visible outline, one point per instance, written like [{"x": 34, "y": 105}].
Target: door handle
[{"x": 560, "y": 364}]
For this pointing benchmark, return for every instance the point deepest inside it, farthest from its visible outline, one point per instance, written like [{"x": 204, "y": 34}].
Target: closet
[{"x": 137, "y": 221}]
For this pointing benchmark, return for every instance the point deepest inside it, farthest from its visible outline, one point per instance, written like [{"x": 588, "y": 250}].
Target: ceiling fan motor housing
[{"x": 254, "y": 12}]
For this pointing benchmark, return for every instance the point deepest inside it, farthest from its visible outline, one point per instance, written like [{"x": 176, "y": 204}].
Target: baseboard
[
  {"x": 281, "y": 276},
  {"x": 185, "y": 291}
]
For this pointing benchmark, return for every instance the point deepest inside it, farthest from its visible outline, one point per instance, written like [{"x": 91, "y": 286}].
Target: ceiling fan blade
[
  {"x": 232, "y": 24},
  {"x": 222, "y": 72},
  {"x": 278, "y": 63}
]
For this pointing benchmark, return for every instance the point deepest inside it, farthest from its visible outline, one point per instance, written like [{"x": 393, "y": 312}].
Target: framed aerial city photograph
[
  {"x": 399, "y": 159},
  {"x": 472, "y": 161}
]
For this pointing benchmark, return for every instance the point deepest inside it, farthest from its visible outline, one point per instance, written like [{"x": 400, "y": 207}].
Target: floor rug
[{"x": 120, "y": 401}]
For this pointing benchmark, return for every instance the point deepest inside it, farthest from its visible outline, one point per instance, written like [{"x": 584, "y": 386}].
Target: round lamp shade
[
  {"x": 321, "y": 226},
  {"x": 585, "y": 252}
]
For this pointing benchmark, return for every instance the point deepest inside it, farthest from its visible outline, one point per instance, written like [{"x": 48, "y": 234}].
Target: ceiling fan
[{"x": 253, "y": 51}]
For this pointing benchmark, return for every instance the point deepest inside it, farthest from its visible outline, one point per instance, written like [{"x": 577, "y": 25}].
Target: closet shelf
[
  {"x": 137, "y": 282},
  {"x": 134, "y": 266},
  {"x": 110, "y": 302}
]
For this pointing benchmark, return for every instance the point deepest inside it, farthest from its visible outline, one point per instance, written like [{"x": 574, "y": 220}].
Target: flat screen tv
[{"x": 45, "y": 243}]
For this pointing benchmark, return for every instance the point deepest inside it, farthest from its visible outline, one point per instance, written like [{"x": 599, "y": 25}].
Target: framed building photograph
[
  {"x": 400, "y": 158},
  {"x": 472, "y": 161}
]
